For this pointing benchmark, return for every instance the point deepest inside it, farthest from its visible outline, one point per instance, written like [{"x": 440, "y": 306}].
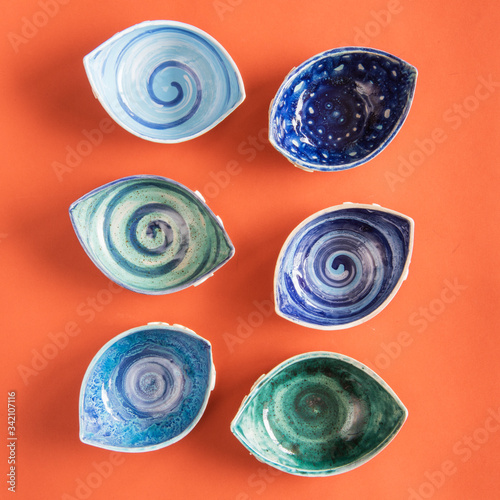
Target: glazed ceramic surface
[
  {"x": 146, "y": 388},
  {"x": 165, "y": 81},
  {"x": 318, "y": 414},
  {"x": 342, "y": 266},
  {"x": 340, "y": 108},
  {"x": 150, "y": 234}
]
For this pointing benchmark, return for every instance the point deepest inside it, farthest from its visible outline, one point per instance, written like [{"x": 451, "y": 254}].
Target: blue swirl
[
  {"x": 177, "y": 100},
  {"x": 180, "y": 93}
]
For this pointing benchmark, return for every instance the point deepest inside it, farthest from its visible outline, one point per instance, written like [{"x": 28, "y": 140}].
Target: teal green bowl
[{"x": 318, "y": 414}]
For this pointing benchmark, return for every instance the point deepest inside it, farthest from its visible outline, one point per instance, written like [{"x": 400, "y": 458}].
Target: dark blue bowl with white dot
[{"x": 341, "y": 108}]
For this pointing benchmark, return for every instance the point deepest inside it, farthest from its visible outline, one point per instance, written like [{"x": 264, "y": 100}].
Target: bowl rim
[
  {"x": 336, "y": 208},
  {"x": 150, "y": 326}
]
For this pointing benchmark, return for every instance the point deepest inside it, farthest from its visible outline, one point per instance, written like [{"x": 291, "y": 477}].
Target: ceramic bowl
[
  {"x": 318, "y": 414},
  {"x": 341, "y": 108},
  {"x": 150, "y": 234},
  {"x": 146, "y": 388},
  {"x": 342, "y": 266},
  {"x": 165, "y": 81}
]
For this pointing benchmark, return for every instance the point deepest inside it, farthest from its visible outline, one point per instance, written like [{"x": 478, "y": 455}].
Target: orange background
[{"x": 435, "y": 344}]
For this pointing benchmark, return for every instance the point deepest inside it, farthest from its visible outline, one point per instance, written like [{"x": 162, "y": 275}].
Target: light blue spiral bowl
[{"x": 165, "y": 81}]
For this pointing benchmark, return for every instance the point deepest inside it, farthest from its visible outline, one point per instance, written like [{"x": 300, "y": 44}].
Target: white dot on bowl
[
  {"x": 361, "y": 67},
  {"x": 387, "y": 113},
  {"x": 299, "y": 87}
]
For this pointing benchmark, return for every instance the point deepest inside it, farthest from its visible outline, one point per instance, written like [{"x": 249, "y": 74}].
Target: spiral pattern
[
  {"x": 151, "y": 385},
  {"x": 165, "y": 81},
  {"x": 341, "y": 108},
  {"x": 342, "y": 265},
  {"x": 146, "y": 388},
  {"x": 318, "y": 414},
  {"x": 150, "y": 234}
]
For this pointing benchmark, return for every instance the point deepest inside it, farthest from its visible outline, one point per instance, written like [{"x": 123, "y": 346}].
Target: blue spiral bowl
[
  {"x": 341, "y": 108},
  {"x": 165, "y": 81},
  {"x": 146, "y": 388},
  {"x": 342, "y": 266}
]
